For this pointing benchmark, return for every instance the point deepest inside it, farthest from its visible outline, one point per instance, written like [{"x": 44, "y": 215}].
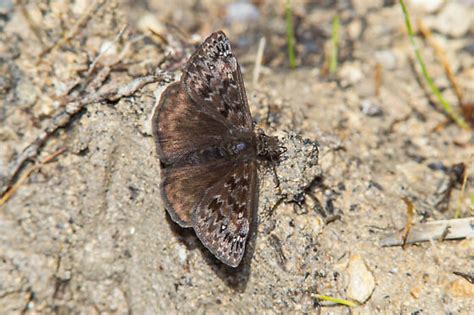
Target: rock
[
  {"x": 454, "y": 20},
  {"x": 150, "y": 22},
  {"x": 350, "y": 74},
  {"x": 467, "y": 2},
  {"x": 364, "y": 6},
  {"x": 361, "y": 280},
  {"x": 298, "y": 166},
  {"x": 469, "y": 48},
  {"x": 354, "y": 29},
  {"x": 182, "y": 254},
  {"x": 27, "y": 93},
  {"x": 242, "y": 12},
  {"x": 461, "y": 288},
  {"x": 465, "y": 249},
  {"x": 296, "y": 170},
  {"x": 387, "y": 59},
  {"x": 371, "y": 108},
  {"x": 416, "y": 291},
  {"x": 427, "y": 6}
]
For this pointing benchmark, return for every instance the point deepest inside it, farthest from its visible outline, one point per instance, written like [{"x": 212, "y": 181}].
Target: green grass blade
[
  {"x": 335, "y": 300},
  {"x": 334, "y": 44},
  {"x": 289, "y": 34},
  {"x": 434, "y": 89}
]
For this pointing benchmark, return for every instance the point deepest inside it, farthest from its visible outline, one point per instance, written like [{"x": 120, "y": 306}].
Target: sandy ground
[{"x": 87, "y": 232}]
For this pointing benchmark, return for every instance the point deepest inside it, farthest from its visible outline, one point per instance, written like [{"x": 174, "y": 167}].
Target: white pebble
[{"x": 361, "y": 280}]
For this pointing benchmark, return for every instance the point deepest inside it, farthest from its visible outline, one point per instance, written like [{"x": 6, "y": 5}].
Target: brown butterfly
[{"x": 208, "y": 150}]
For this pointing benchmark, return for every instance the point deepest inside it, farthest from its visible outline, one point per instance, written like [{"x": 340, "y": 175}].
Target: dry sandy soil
[{"x": 87, "y": 233}]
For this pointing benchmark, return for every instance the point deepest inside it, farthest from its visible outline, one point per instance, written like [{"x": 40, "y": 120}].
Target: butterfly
[{"x": 208, "y": 150}]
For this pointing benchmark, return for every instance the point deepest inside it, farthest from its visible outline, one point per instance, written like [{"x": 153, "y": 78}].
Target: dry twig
[
  {"x": 442, "y": 57},
  {"x": 468, "y": 276},
  {"x": 83, "y": 20},
  {"x": 457, "y": 214},
  {"x": 96, "y": 60},
  {"x": 31, "y": 23},
  {"x": 26, "y": 174},
  {"x": 435, "y": 230},
  {"x": 377, "y": 78},
  {"x": 258, "y": 60},
  {"x": 410, "y": 214}
]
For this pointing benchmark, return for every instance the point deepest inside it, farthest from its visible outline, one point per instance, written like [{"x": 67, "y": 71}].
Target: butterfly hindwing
[
  {"x": 183, "y": 186},
  {"x": 223, "y": 217}
]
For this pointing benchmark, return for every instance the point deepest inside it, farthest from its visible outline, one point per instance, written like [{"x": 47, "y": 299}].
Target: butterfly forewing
[
  {"x": 212, "y": 78},
  {"x": 174, "y": 121}
]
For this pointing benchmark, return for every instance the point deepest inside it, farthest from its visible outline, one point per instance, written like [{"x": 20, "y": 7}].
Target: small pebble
[
  {"x": 454, "y": 20},
  {"x": 150, "y": 22},
  {"x": 460, "y": 288},
  {"x": 364, "y": 6},
  {"x": 469, "y": 48},
  {"x": 350, "y": 74},
  {"x": 371, "y": 108},
  {"x": 361, "y": 280},
  {"x": 437, "y": 166},
  {"x": 428, "y": 6},
  {"x": 242, "y": 12},
  {"x": 354, "y": 29},
  {"x": 182, "y": 254},
  {"x": 387, "y": 59}
]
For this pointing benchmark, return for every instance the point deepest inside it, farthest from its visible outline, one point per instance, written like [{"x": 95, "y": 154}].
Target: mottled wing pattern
[
  {"x": 212, "y": 79},
  {"x": 183, "y": 186},
  {"x": 205, "y": 184},
  {"x": 223, "y": 217}
]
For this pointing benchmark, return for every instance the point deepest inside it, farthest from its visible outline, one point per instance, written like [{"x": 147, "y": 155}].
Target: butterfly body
[{"x": 209, "y": 150}]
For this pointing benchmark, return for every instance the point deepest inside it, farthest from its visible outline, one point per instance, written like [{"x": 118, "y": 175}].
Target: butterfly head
[{"x": 269, "y": 147}]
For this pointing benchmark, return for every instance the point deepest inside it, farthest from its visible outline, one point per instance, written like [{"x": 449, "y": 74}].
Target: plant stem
[
  {"x": 434, "y": 89},
  {"x": 290, "y": 35},
  {"x": 335, "y": 42}
]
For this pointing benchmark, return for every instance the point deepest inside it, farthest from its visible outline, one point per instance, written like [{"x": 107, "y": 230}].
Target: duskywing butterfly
[{"x": 209, "y": 150}]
